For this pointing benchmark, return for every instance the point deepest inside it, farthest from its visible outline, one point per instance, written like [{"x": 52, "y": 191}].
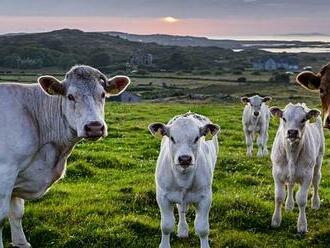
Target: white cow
[
  {"x": 184, "y": 173},
  {"x": 297, "y": 158},
  {"x": 40, "y": 124},
  {"x": 255, "y": 120}
]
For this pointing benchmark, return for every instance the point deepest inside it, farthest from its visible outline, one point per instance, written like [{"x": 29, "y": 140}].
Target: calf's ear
[
  {"x": 276, "y": 112},
  {"x": 158, "y": 129},
  {"x": 267, "y": 99},
  {"x": 309, "y": 80},
  {"x": 312, "y": 115},
  {"x": 209, "y": 130},
  {"x": 116, "y": 85},
  {"x": 51, "y": 85},
  {"x": 244, "y": 99}
]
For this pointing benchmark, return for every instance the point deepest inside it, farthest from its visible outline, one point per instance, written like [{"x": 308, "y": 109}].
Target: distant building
[
  {"x": 141, "y": 58},
  {"x": 126, "y": 97},
  {"x": 272, "y": 64}
]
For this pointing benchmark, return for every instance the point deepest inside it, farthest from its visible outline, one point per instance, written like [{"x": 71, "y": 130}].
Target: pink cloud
[{"x": 197, "y": 27}]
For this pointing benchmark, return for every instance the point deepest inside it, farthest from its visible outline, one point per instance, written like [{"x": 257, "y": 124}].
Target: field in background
[{"x": 107, "y": 198}]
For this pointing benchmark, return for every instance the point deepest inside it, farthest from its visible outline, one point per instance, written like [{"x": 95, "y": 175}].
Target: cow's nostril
[
  {"x": 256, "y": 113},
  {"x": 292, "y": 133},
  {"x": 87, "y": 128},
  {"x": 185, "y": 160},
  {"x": 102, "y": 128}
]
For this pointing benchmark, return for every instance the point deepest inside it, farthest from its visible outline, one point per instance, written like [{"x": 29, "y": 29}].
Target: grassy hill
[
  {"x": 107, "y": 198},
  {"x": 63, "y": 48}
]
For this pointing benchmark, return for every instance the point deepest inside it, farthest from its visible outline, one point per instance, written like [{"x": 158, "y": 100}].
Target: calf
[
  {"x": 297, "y": 158},
  {"x": 255, "y": 120},
  {"x": 184, "y": 173},
  {"x": 40, "y": 125},
  {"x": 319, "y": 83}
]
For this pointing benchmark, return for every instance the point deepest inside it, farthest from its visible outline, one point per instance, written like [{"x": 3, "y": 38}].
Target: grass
[{"x": 107, "y": 198}]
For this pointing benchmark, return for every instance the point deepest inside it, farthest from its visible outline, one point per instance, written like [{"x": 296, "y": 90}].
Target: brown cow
[{"x": 319, "y": 82}]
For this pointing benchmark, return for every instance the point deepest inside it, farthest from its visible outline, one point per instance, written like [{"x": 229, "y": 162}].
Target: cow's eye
[
  {"x": 71, "y": 97},
  {"x": 196, "y": 139},
  {"x": 284, "y": 119},
  {"x": 303, "y": 120},
  {"x": 172, "y": 139},
  {"x": 103, "y": 95},
  {"x": 322, "y": 91}
]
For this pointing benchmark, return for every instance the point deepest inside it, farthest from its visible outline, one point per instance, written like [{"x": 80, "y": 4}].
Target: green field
[{"x": 107, "y": 198}]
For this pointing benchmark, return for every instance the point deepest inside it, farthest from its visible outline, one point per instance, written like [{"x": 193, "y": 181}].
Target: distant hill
[
  {"x": 175, "y": 40},
  {"x": 63, "y": 48}
]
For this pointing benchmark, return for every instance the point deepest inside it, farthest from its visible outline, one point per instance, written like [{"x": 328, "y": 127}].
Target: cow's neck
[
  {"x": 183, "y": 180},
  {"x": 52, "y": 125}
]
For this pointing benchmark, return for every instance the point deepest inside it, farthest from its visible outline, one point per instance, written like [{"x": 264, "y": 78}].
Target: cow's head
[
  {"x": 293, "y": 120},
  {"x": 255, "y": 103},
  {"x": 184, "y": 136},
  {"x": 83, "y": 93},
  {"x": 319, "y": 83}
]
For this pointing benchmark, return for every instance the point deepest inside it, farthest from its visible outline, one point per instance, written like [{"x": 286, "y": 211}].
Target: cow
[
  {"x": 255, "y": 120},
  {"x": 296, "y": 156},
  {"x": 184, "y": 172},
  {"x": 40, "y": 125},
  {"x": 319, "y": 83}
]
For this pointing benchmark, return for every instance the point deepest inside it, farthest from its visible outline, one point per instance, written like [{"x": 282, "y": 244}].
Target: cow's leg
[
  {"x": 183, "y": 228},
  {"x": 15, "y": 218},
  {"x": 249, "y": 143},
  {"x": 202, "y": 221},
  {"x": 8, "y": 176},
  {"x": 262, "y": 143},
  {"x": 289, "y": 203},
  {"x": 301, "y": 198},
  {"x": 279, "y": 199},
  {"x": 167, "y": 221},
  {"x": 316, "y": 183}
]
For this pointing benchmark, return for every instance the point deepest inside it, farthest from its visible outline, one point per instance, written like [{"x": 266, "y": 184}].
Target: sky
[{"x": 212, "y": 18}]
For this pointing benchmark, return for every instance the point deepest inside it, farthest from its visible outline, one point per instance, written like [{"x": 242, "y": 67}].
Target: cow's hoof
[
  {"x": 26, "y": 245},
  {"x": 302, "y": 231},
  {"x": 316, "y": 202},
  {"x": 276, "y": 222}
]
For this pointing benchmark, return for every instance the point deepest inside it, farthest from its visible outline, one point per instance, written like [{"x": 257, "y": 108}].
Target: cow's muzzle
[
  {"x": 185, "y": 161},
  {"x": 293, "y": 134},
  {"x": 94, "y": 130}
]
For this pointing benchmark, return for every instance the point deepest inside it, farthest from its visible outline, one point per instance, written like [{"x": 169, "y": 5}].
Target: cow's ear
[
  {"x": 312, "y": 115},
  {"x": 209, "y": 130},
  {"x": 51, "y": 85},
  {"x": 245, "y": 99},
  {"x": 116, "y": 85},
  {"x": 267, "y": 99},
  {"x": 276, "y": 112},
  {"x": 158, "y": 129},
  {"x": 309, "y": 80}
]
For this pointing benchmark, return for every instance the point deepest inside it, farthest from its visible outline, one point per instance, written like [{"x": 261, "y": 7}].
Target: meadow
[{"x": 107, "y": 198}]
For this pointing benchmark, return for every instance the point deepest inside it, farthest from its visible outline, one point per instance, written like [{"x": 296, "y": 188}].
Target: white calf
[
  {"x": 297, "y": 158},
  {"x": 255, "y": 120},
  {"x": 184, "y": 173}
]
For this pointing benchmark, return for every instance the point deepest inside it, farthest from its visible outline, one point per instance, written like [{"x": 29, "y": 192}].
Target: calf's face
[
  {"x": 184, "y": 140},
  {"x": 255, "y": 102},
  {"x": 83, "y": 93},
  {"x": 319, "y": 83},
  {"x": 293, "y": 120}
]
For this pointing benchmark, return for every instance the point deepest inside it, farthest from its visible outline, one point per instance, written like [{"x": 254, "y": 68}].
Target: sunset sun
[{"x": 170, "y": 19}]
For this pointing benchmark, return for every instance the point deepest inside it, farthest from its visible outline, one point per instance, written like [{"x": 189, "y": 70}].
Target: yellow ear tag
[
  {"x": 158, "y": 134},
  {"x": 312, "y": 119},
  {"x": 208, "y": 136}
]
